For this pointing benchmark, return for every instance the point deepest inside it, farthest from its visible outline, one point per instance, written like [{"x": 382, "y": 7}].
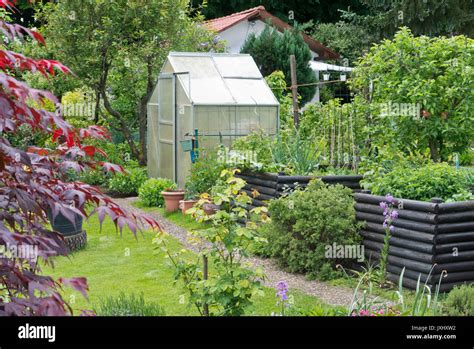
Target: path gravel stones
[{"x": 334, "y": 295}]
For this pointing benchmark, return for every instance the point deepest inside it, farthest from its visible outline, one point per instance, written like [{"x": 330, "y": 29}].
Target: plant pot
[
  {"x": 172, "y": 199},
  {"x": 210, "y": 209},
  {"x": 185, "y": 205},
  {"x": 64, "y": 226}
]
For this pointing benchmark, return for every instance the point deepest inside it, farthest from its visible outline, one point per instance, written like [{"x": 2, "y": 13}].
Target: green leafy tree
[
  {"x": 271, "y": 51},
  {"x": 117, "y": 48},
  {"x": 441, "y": 17},
  {"x": 303, "y": 10},
  {"x": 434, "y": 77},
  {"x": 350, "y": 40}
]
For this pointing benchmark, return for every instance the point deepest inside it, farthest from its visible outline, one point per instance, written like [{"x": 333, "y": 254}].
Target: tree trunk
[
  {"x": 433, "y": 144},
  {"x": 97, "y": 107},
  {"x": 142, "y": 160},
  {"x": 124, "y": 127},
  {"x": 142, "y": 113}
]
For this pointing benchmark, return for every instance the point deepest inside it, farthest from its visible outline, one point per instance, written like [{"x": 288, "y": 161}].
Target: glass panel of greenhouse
[{"x": 201, "y": 100}]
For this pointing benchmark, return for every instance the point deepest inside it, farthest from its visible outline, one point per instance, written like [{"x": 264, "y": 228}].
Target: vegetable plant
[{"x": 422, "y": 183}]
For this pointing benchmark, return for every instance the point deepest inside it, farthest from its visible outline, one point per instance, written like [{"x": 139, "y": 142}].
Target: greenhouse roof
[{"x": 221, "y": 79}]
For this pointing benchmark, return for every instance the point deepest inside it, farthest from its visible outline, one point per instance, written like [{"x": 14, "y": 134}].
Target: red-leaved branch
[{"x": 33, "y": 184}]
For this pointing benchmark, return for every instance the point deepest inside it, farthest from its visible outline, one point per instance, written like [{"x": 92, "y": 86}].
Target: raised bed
[
  {"x": 273, "y": 185},
  {"x": 426, "y": 234}
]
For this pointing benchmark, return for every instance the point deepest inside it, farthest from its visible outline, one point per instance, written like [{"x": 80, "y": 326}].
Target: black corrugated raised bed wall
[
  {"x": 426, "y": 234},
  {"x": 273, "y": 185}
]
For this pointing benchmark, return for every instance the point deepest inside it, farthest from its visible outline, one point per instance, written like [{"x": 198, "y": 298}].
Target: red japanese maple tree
[{"x": 32, "y": 184}]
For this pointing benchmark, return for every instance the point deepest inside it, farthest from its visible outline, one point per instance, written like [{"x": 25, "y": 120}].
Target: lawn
[{"x": 113, "y": 264}]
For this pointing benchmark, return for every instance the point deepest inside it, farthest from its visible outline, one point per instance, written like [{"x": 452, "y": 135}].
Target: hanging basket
[{"x": 187, "y": 145}]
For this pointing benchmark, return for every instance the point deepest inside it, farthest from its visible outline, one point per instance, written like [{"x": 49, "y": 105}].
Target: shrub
[
  {"x": 460, "y": 301},
  {"x": 305, "y": 222},
  {"x": 421, "y": 183},
  {"x": 119, "y": 153},
  {"x": 128, "y": 183},
  {"x": 205, "y": 172},
  {"x": 150, "y": 191},
  {"x": 93, "y": 177},
  {"x": 131, "y": 305},
  {"x": 231, "y": 287}
]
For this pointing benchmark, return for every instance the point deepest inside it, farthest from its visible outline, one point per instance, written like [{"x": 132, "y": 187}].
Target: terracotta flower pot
[
  {"x": 172, "y": 199},
  {"x": 185, "y": 205}
]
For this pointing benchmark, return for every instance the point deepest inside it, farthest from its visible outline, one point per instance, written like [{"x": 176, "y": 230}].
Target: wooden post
[
  {"x": 205, "y": 277},
  {"x": 294, "y": 91}
]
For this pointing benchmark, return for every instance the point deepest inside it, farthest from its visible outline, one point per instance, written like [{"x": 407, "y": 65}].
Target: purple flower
[
  {"x": 391, "y": 227},
  {"x": 383, "y": 206},
  {"x": 282, "y": 291},
  {"x": 394, "y": 214},
  {"x": 389, "y": 198}
]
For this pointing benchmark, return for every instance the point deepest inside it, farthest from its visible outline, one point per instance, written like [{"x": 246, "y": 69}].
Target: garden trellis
[
  {"x": 337, "y": 126},
  {"x": 216, "y": 96}
]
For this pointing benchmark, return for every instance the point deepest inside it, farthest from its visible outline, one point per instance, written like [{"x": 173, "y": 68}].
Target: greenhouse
[{"x": 204, "y": 99}]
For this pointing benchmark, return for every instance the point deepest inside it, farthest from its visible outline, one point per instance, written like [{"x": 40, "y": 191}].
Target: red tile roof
[{"x": 222, "y": 23}]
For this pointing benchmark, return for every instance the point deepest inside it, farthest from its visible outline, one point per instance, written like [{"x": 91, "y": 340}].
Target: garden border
[
  {"x": 274, "y": 185},
  {"x": 425, "y": 234}
]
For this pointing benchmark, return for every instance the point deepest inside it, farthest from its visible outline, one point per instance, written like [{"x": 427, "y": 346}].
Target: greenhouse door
[
  {"x": 166, "y": 127},
  {"x": 183, "y": 127}
]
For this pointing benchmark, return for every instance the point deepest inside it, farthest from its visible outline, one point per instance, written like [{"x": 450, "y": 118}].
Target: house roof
[
  {"x": 259, "y": 12},
  {"x": 221, "y": 79}
]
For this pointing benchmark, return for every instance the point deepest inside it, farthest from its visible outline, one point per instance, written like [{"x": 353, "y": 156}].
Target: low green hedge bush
[
  {"x": 150, "y": 191},
  {"x": 93, "y": 177},
  {"x": 305, "y": 222},
  {"x": 460, "y": 301},
  {"x": 128, "y": 183}
]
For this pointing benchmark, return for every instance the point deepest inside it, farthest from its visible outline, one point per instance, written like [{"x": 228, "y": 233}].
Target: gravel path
[{"x": 334, "y": 295}]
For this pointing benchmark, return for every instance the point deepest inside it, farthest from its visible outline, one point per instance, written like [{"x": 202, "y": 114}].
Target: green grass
[
  {"x": 185, "y": 221},
  {"x": 113, "y": 264}
]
